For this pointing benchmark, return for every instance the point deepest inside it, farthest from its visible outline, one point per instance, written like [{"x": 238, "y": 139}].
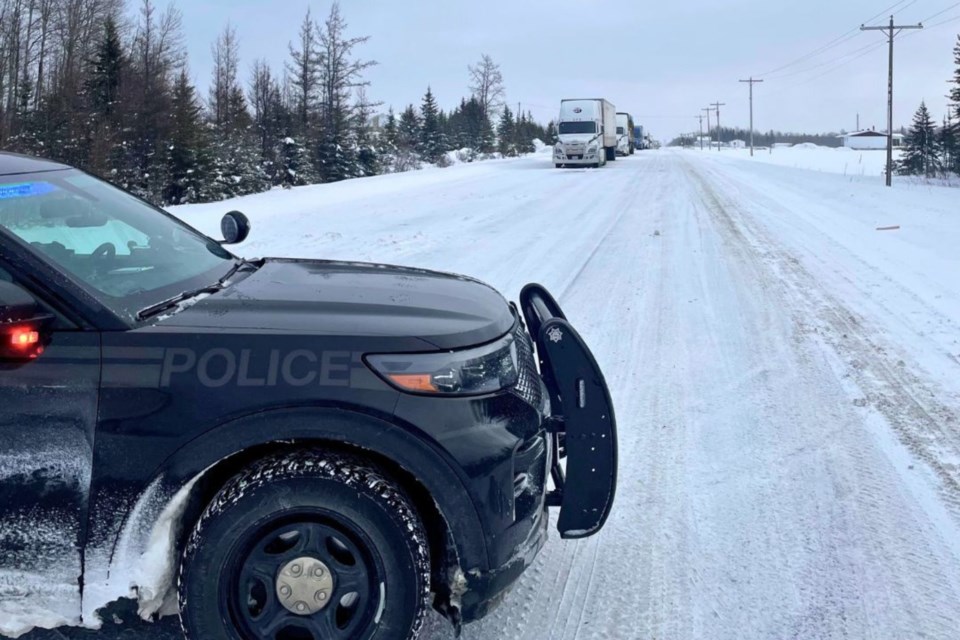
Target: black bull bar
[{"x": 582, "y": 421}]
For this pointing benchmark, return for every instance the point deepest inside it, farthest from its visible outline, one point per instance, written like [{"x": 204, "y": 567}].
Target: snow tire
[{"x": 327, "y": 491}]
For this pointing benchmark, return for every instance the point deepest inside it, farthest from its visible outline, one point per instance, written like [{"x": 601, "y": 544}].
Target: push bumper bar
[{"x": 582, "y": 420}]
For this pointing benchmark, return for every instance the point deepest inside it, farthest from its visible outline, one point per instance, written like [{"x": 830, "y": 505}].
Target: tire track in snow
[{"x": 923, "y": 582}]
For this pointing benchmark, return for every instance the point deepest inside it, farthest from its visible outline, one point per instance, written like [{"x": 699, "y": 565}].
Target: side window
[{"x": 61, "y": 322}]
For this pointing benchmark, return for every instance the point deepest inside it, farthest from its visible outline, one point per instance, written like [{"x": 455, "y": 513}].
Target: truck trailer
[{"x": 587, "y": 133}]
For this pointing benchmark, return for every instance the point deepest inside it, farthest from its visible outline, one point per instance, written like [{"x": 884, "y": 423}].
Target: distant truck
[
  {"x": 587, "y": 133},
  {"x": 625, "y": 142},
  {"x": 639, "y": 137}
]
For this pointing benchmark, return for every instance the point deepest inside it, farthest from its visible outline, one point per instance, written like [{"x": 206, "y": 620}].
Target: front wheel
[{"x": 306, "y": 546}]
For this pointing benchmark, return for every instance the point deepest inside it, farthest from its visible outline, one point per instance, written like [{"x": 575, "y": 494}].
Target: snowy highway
[{"x": 786, "y": 377}]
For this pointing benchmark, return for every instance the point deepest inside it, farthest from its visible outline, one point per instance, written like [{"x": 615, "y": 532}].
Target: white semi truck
[
  {"x": 587, "y": 133},
  {"x": 625, "y": 134}
]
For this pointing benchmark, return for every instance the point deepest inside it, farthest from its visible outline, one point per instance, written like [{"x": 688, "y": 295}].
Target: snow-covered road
[{"x": 787, "y": 381}]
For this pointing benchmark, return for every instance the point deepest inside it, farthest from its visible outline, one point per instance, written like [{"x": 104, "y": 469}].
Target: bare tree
[
  {"x": 304, "y": 72},
  {"x": 486, "y": 84},
  {"x": 226, "y": 60},
  {"x": 340, "y": 76}
]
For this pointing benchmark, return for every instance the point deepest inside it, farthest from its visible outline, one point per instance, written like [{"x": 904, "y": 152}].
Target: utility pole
[
  {"x": 891, "y": 32},
  {"x": 700, "y": 118},
  {"x": 752, "y": 82},
  {"x": 716, "y": 106},
  {"x": 708, "y": 110}
]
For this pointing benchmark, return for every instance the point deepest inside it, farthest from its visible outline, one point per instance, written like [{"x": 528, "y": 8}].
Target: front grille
[{"x": 528, "y": 384}]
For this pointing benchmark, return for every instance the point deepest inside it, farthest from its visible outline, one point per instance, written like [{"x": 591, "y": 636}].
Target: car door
[{"x": 48, "y": 415}]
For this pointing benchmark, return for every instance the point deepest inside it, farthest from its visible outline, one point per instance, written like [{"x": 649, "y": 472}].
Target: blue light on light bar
[{"x": 25, "y": 190}]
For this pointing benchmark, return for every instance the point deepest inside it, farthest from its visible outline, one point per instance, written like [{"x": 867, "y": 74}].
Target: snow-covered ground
[
  {"x": 849, "y": 162},
  {"x": 786, "y": 378},
  {"x": 786, "y": 375}
]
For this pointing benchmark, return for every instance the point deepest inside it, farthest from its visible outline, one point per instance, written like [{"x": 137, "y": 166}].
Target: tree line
[
  {"x": 934, "y": 151},
  {"x": 760, "y": 138},
  {"x": 83, "y": 84}
]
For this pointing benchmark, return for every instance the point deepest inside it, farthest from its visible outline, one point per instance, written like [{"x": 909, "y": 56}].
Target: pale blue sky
[{"x": 661, "y": 61}]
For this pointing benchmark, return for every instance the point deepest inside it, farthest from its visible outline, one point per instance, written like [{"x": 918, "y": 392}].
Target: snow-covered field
[
  {"x": 787, "y": 379},
  {"x": 849, "y": 162}
]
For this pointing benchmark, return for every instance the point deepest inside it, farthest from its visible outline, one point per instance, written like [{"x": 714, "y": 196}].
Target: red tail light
[{"x": 24, "y": 338}]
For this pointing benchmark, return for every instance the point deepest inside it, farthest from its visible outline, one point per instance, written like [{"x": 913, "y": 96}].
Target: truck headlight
[
  {"x": 593, "y": 149},
  {"x": 478, "y": 370}
]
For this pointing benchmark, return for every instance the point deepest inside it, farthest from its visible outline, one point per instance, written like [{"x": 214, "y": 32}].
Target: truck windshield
[
  {"x": 122, "y": 251},
  {"x": 577, "y": 127}
]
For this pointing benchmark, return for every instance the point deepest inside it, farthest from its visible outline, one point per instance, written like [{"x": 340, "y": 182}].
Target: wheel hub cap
[{"x": 304, "y": 586}]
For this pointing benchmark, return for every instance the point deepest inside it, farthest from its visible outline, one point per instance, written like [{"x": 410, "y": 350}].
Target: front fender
[
  {"x": 422, "y": 459},
  {"x": 148, "y": 520}
]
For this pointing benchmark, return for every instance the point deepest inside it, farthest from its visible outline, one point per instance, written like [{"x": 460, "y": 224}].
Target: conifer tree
[
  {"x": 432, "y": 146},
  {"x": 187, "y": 153},
  {"x": 506, "y": 133},
  {"x": 921, "y": 154}
]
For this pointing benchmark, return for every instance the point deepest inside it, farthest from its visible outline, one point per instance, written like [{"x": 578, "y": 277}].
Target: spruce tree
[
  {"x": 103, "y": 83},
  {"x": 297, "y": 168},
  {"x": 390, "y": 132},
  {"x": 949, "y": 145},
  {"x": 187, "y": 154},
  {"x": 408, "y": 130},
  {"x": 432, "y": 146},
  {"x": 952, "y": 140},
  {"x": 921, "y": 155},
  {"x": 506, "y": 133}
]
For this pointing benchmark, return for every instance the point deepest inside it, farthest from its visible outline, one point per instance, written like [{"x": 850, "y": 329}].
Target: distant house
[
  {"x": 870, "y": 140},
  {"x": 737, "y": 144}
]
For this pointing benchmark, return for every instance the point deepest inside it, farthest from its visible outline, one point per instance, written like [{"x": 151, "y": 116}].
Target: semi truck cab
[{"x": 586, "y": 133}]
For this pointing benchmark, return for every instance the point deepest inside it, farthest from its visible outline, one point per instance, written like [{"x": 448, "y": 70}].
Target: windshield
[
  {"x": 121, "y": 250},
  {"x": 577, "y": 127}
]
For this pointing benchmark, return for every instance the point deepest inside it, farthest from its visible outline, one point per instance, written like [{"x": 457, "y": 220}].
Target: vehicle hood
[
  {"x": 313, "y": 297},
  {"x": 582, "y": 138}
]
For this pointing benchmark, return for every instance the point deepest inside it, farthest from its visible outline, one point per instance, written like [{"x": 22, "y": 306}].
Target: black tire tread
[{"x": 353, "y": 471}]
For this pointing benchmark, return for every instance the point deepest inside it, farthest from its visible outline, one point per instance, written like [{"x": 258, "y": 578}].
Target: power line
[
  {"x": 891, "y": 33},
  {"x": 869, "y": 47},
  {"x": 849, "y": 35},
  {"x": 938, "y": 13}
]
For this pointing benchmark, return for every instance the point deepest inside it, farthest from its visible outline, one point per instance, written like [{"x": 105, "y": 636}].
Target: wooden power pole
[
  {"x": 708, "y": 110},
  {"x": 700, "y": 118},
  {"x": 891, "y": 32},
  {"x": 716, "y": 107},
  {"x": 752, "y": 82}
]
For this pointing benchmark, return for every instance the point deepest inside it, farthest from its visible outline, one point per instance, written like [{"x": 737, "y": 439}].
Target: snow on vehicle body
[
  {"x": 625, "y": 134},
  {"x": 586, "y": 133},
  {"x": 298, "y": 444}
]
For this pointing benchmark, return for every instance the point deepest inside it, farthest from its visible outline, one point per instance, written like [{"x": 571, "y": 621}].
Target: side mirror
[
  {"x": 235, "y": 228},
  {"x": 21, "y": 324}
]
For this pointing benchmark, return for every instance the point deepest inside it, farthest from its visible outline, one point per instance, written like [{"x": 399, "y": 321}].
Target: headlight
[
  {"x": 483, "y": 369},
  {"x": 593, "y": 149}
]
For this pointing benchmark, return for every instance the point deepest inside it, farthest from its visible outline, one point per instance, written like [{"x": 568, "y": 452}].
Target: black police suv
[{"x": 283, "y": 449}]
